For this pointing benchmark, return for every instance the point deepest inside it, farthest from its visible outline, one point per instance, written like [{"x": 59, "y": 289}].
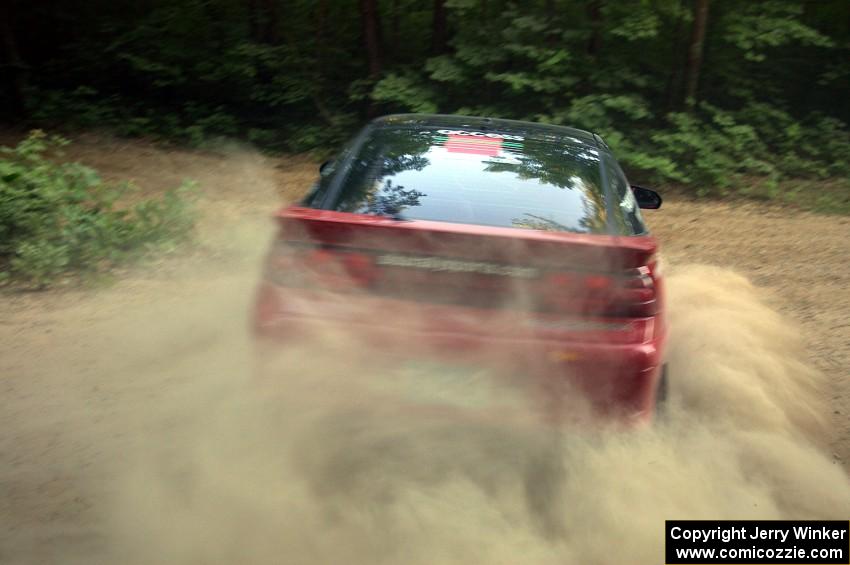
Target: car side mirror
[{"x": 646, "y": 198}]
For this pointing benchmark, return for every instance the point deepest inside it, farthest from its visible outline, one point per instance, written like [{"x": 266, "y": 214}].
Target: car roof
[{"x": 478, "y": 123}]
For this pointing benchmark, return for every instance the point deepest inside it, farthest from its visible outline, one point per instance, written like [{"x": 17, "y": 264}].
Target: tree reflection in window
[
  {"x": 562, "y": 165},
  {"x": 533, "y": 222},
  {"x": 369, "y": 190},
  {"x": 548, "y": 183},
  {"x": 390, "y": 200}
]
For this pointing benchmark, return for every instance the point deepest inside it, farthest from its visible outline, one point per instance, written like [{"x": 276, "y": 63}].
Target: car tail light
[
  {"x": 628, "y": 294},
  {"x": 318, "y": 266}
]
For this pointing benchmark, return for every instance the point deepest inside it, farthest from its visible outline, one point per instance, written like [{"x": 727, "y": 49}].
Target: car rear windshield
[{"x": 475, "y": 177}]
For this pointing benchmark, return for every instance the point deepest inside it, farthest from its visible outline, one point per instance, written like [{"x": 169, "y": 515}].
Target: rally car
[{"x": 509, "y": 244}]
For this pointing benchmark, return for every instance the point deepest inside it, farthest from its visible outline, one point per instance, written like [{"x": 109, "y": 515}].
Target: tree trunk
[
  {"x": 674, "y": 77},
  {"x": 552, "y": 33},
  {"x": 16, "y": 71},
  {"x": 594, "y": 12},
  {"x": 370, "y": 20},
  {"x": 439, "y": 30},
  {"x": 321, "y": 16},
  {"x": 253, "y": 21},
  {"x": 270, "y": 34},
  {"x": 695, "y": 51},
  {"x": 263, "y": 20},
  {"x": 395, "y": 26}
]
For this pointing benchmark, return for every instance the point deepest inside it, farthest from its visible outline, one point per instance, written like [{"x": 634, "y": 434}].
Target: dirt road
[{"x": 82, "y": 371}]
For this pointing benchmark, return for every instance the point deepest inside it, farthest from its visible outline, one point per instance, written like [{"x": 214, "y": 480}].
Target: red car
[{"x": 476, "y": 241}]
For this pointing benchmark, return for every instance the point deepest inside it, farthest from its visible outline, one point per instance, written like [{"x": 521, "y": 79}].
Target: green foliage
[
  {"x": 405, "y": 90},
  {"x": 749, "y": 151},
  {"x": 297, "y": 76},
  {"x": 713, "y": 154},
  {"x": 83, "y": 104},
  {"x": 57, "y": 218},
  {"x": 194, "y": 124},
  {"x": 758, "y": 27}
]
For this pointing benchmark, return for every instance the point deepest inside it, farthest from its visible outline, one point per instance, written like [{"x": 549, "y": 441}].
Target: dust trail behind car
[
  {"x": 139, "y": 435},
  {"x": 343, "y": 461}
]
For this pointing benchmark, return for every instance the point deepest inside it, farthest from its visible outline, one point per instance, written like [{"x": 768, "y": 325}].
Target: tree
[
  {"x": 770, "y": 76},
  {"x": 439, "y": 30},
  {"x": 695, "y": 51},
  {"x": 371, "y": 23},
  {"x": 594, "y": 13},
  {"x": 263, "y": 21},
  {"x": 16, "y": 71}
]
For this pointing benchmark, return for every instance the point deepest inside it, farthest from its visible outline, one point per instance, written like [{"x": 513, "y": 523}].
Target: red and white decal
[{"x": 480, "y": 134}]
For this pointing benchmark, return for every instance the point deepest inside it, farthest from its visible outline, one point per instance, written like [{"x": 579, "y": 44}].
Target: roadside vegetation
[
  {"x": 60, "y": 220},
  {"x": 713, "y": 98},
  {"x": 718, "y": 97}
]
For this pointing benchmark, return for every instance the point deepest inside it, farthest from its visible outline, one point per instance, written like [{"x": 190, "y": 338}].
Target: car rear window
[{"x": 475, "y": 177}]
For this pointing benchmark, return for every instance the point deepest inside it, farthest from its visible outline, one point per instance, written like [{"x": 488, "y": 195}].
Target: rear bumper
[{"x": 613, "y": 364}]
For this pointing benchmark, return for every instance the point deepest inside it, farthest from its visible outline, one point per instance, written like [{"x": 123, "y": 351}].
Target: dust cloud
[
  {"x": 147, "y": 424},
  {"x": 339, "y": 459}
]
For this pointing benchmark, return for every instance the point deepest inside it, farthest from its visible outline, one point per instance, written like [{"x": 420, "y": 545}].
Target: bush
[
  {"x": 717, "y": 152},
  {"x": 62, "y": 218},
  {"x": 714, "y": 154}
]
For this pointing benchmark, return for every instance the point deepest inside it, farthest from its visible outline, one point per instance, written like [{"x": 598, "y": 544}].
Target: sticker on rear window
[
  {"x": 477, "y": 143},
  {"x": 488, "y": 135}
]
